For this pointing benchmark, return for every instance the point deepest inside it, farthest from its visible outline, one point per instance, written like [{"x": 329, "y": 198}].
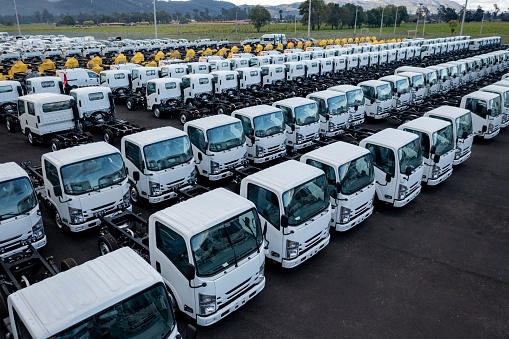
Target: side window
[
  {"x": 322, "y": 109},
  {"x": 477, "y": 107},
  {"x": 133, "y": 153},
  {"x": 21, "y": 107},
  {"x": 287, "y": 113},
  {"x": 246, "y": 124},
  {"x": 29, "y": 86},
  {"x": 21, "y": 329},
  {"x": 51, "y": 173},
  {"x": 197, "y": 138},
  {"x": 424, "y": 142},
  {"x": 31, "y": 108},
  {"x": 135, "y": 74},
  {"x": 172, "y": 245},
  {"x": 151, "y": 88},
  {"x": 329, "y": 173},
  {"x": 102, "y": 78},
  {"x": 383, "y": 158},
  {"x": 266, "y": 203}
]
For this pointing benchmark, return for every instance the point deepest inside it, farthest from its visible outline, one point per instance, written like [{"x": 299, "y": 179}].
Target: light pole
[
  {"x": 295, "y": 22},
  {"x": 463, "y": 20},
  {"x": 424, "y": 22},
  {"x": 155, "y": 19},
  {"x": 17, "y": 20},
  {"x": 235, "y": 23},
  {"x": 482, "y": 21},
  {"x": 355, "y": 24},
  {"x": 382, "y": 21},
  {"x": 395, "y": 20},
  {"x": 309, "y": 20}
]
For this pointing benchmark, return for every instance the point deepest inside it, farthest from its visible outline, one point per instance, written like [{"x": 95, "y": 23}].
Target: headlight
[
  {"x": 457, "y": 153},
  {"x": 38, "y": 230},
  {"x": 490, "y": 128},
  {"x": 207, "y": 303},
  {"x": 76, "y": 215},
  {"x": 344, "y": 214},
  {"x": 261, "y": 272},
  {"x": 194, "y": 176},
  {"x": 292, "y": 249},
  {"x": 435, "y": 172},
  {"x": 299, "y": 137},
  {"x": 259, "y": 151},
  {"x": 155, "y": 188},
  {"x": 214, "y": 167},
  {"x": 332, "y": 126},
  {"x": 126, "y": 201},
  {"x": 402, "y": 192}
]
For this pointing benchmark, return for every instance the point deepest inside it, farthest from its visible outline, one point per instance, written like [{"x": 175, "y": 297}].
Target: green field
[{"x": 220, "y": 31}]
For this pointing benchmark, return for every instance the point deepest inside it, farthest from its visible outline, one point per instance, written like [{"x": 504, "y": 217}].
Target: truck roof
[
  {"x": 11, "y": 170},
  {"x": 223, "y": 72},
  {"x": 372, "y": 83},
  {"x": 197, "y": 76},
  {"x": 409, "y": 74},
  {"x": 46, "y": 97},
  {"x": 392, "y": 78},
  {"x": 198, "y": 214},
  {"x": 255, "y": 111},
  {"x": 160, "y": 81},
  {"x": 285, "y": 176},
  {"x": 390, "y": 137},
  {"x": 327, "y": 94},
  {"x": 45, "y": 78},
  {"x": 91, "y": 89},
  {"x": 344, "y": 88},
  {"x": 495, "y": 88},
  {"x": 337, "y": 153},
  {"x": 115, "y": 71},
  {"x": 10, "y": 82},
  {"x": 448, "y": 111},
  {"x": 78, "y": 153},
  {"x": 294, "y": 102},
  {"x": 69, "y": 297},
  {"x": 154, "y": 135},
  {"x": 482, "y": 95},
  {"x": 212, "y": 121},
  {"x": 504, "y": 83},
  {"x": 425, "y": 124}
]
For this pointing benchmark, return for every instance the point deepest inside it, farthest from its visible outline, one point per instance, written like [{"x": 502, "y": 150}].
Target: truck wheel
[
  {"x": 221, "y": 110},
  {"x": 11, "y": 126},
  {"x": 55, "y": 144},
  {"x": 107, "y": 244},
  {"x": 60, "y": 224},
  {"x": 157, "y": 112},
  {"x": 108, "y": 136},
  {"x": 135, "y": 196},
  {"x": 130, "y": 104},
  {"x": 30, "y": 137},
  {"x": 184, "y": 117},
  {"x": 67, "y": 264}
]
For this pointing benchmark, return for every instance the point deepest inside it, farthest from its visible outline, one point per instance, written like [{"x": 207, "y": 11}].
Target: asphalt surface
[{"x": 437, "y": 267}]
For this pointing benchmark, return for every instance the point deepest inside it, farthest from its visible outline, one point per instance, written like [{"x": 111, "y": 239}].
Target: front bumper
[
  {"x": 410, "y": 197},
  {"x": 18, "y": 248},
  {"x": 433, "y": 182},
  {"x": 269, "y": 157},
  {"x": 289, "y": 263},
  {"x": 463, "y": 157},
  {"x": 95, "y": 221},
  {"x": 491, "y": 135},
  {"x": 354, "y": 222}
]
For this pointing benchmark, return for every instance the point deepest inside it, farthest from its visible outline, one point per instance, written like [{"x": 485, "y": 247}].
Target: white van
[
  {"x": 77, "y": 77},
  {"x": 44, "y": 85}
]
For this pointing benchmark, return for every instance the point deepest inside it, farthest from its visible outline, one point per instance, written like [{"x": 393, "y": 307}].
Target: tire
[
  {"x": 58, "y": 222},
  {"x": 11, "y": 126},
  {"x": 55, "y": 145},
  {"x": 221, "y": 110},
  {"x": 30, "y": 137},
  {"x": 184, "y": 117},
  {"x": 108, "y": 136},
  {"x": 130, "y": 104},
  {"x": 107, "y": 244},
  {"x": 157, "y": 112},
  {"x": 135, "y": 195},
  {"x": 67, "y": 264}
]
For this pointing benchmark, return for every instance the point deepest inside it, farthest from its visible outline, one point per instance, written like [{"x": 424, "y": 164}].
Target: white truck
[
  {"x": 10, "y": 91},
  {"x": 264, "y": 127},
  {"x": 333, "y": 111},
  {"x": 293, "y": 204},
  {"x": 302, "y": 121},
  {"x": 140, "y": 76},
  {"x": 402, "y": 95},
  {"x": 378, "y": 98},
  {"x": 218, "y": 144},
  {"x": 173, "y": 71},
  {"x": 162, "y": 95},
  {"x": 417, "y": 85},
  {"x": 77, "y": 77},
  {"x": 432, "y": 85},
  {"x": 463, "y": 136},
  {"x": 355, "y": 102},
  {"x": 117, "y": 80},
  {"x": 486, "y": 109},
  {"x": 351, "y": 181},
  {"x": 44, "y": 85},
  {"x": 437, "y": 146},
  {"x": 397, "y": 157},
  {"x": 158, "y": 163},
  {"x": 119, "y": 294},
  {"x": 208, "y": 249},
  {"x": 503, "y": 91}
]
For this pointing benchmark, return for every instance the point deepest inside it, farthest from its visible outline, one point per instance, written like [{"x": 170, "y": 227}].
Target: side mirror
[
  {"x": 264, "y": 231},
  {"x": 408, "y": 170},
  {"x": 200, "y": 156},
  {"x": 57, "y": 191},
  {"x": 284, "y": 221},
  {"x": 136, "y": 176},
  {"x": 388, "y": 177},
  {"x": 433, "y": 149},
  {"x": 190, "y": 271},
  {"x": 464, "y": 135},
  {"x": 190, "y": 332},
  {"x": 293, "y": 128},
  {"x": 436, "y": 158},
  {"x": 484, "y": 129}
]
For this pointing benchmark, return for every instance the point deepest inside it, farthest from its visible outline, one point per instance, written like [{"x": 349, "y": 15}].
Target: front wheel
[
  {"x": 135, "y": 196},
  {"x": 60, "y": 224},
  {"x": 107, "y": 244},
  {"x": 221, "y": 110},
  {"x": 67, "y": 264},
  {"x": 11, "y": 126},
  {"x": 157, "y": 112},
  {"x": 184, "y": 117},
  {"x": 55, "y": 144},
  {"x": 130, "y": 104},
  {"x": 30, "y": 137},
  {"x": 108, "y": 136}
]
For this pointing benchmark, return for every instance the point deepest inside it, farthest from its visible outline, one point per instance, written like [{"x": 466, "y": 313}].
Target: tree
[
  {"x": 447, "y": 13},
  {"x": 47, "y": 16},
  {"x": 280, "y": 15},
  {"x": 66, "y": 20},
  {"x": 452, "y": 25},
  {"x": 333, "y": 15},
  {"x": 496, "y": 10},
  {"x": 38, "y": 16},
  {"x": 259, "y": 17},
  {"x": 88, "y": 23},
  {"x": 317, "y": 13},
  {"x": 163, "y": 16}
]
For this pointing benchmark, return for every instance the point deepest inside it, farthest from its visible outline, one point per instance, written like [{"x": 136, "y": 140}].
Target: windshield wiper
[
  {"x": 10, "y": 214},
  {"x": 231, "y": 244}
]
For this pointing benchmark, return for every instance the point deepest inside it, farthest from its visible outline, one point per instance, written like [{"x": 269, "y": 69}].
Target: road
[{"x": 436, "y": 268}]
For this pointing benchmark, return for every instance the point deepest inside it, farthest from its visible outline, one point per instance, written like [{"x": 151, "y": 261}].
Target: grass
[{"x": 220, "y": 31}]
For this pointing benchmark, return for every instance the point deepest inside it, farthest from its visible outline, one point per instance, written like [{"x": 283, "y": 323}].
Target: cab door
[{"x": 384, "y": 161}]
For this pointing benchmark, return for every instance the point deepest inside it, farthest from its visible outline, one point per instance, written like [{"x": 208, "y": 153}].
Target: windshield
[
  {"x": 403, "y": 86},
  {"x": 355, "y": 98},
  {"x": 225, "y": 137},
  {"x": 93, "y": 174},
  {"x": 418, "y": 81},
  {"x": 306, "y": 200},
  {"x": 506, "y": 99},
  {"x": 410, "y": 155},
  {"x": 464, "y": 124},
  {"x": 384, "y": 92},
  {"x": 147, "y": 314},
  {"x": 16, "y": 197},
  {"x": 227, "y": 243},
  {"x": 453, "y": 70},
  {"x": 496, "y": 106},
  {"x": 337, "y": 105},
  {"x": 306, "y": 114},
  {"x": 356, "y": 174},
  {"x": 269, "y": 124},
  {"x": 443, "y": 140},
  {"x": 432, "y": 78},
  {"x": 168, "y": 153}
]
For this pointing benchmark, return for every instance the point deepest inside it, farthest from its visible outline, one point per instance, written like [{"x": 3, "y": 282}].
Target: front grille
[{"x": 101, "y": 207}]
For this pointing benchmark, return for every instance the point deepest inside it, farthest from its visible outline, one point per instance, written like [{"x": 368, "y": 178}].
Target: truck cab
[
  {"x": 486, "y": 109},
  {"x": 454, "y": 74},
  {"x": 141, "y": 75},
  {"x": 264, "y": 127},
  {"x": 378, "y": 98},
  {"x": 77, "y": 77},
  {"x": 432, "y": 85},
  {"x": 417, "y": 85},
  {"x": 443, "y": 78},
  {"x": 503, "y": 91},
  {"x": 236, "y": 63},
  {"x": 249, "y": 77},
  {"x": 163, "y": 94},
  {"x": 355, "y": 102},
  {"x": 218, "y": 144},
  {"x": 402, "y": 95},
  {"x": 295, "y": 71},
  {"x": 220, "y": 65},
  {"x": 224, "y": 81},
  {"x": 463, "y": 136},
  {"x": 20, "y": 215},
  {"x": 339, "y": 63},
  {"x": 173, "y": 71},
  {"x": 10, "y": 91},
  {"x": 277, "y": 59},
  {"x": 293, "y": 204},
  {"x": 210, "y": 251},
  {"x": 116, "y": 80},
  {"x": 437, "y": 145},
  {"x": 259, "y": 61},
  {"x": 312, "y": 69},
  {"x": 95, "y": 104},
  {"x": 302, "y": 121},
  {"x": 273, "y": 75},
  {"x": 158, "y": 162},
  {"x": 333, "y": 111},
  {"x": 397, "y": 157},
  {"x": 83, "y": 183},
  {"x": 350, "y": 179}
]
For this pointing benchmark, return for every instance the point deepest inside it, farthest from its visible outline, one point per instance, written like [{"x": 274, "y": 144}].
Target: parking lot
[{"x": 437, "y": 267}]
